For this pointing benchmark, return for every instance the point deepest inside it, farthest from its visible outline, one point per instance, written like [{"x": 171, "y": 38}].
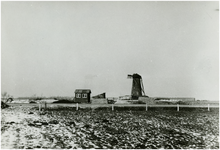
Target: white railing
[{"x": 77, "y": 105}]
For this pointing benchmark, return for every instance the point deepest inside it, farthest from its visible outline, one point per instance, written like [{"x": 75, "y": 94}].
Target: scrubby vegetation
[{"x": 3, "y": 105}]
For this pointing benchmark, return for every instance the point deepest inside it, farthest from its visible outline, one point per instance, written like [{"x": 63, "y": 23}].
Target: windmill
[{"x": 137, "y": 89}]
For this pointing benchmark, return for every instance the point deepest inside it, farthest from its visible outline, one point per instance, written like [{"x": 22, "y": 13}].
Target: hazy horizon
[{"x": 54, "y": 48}]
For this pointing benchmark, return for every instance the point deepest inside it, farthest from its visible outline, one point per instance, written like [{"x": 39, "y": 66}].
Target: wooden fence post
[
  {"x": 39, "y": 106},
  {"x": 45, "y": 105},
  {"x": 178, "y": 107},
  {"x": 112, "y": 107},
  {"x": 76, "y": 106},
  {"x": 146, "y": 106},
  {"x": 208, "y": 108}
]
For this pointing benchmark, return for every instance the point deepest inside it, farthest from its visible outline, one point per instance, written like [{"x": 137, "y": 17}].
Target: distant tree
[{"x": 6, "y": 97}]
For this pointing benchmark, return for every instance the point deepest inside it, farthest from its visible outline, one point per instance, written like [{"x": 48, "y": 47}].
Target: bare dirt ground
[
  {"x": 12, "y": 121},
  {"x": 27, "y": 128}
]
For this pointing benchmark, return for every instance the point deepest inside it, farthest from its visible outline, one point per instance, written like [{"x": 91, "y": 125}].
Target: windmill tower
[{"x": 137, "y": 89}]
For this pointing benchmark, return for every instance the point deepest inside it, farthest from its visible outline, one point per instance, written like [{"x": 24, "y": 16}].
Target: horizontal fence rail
[
  {"x": 76, "y": 106},
  {"x": 109, "y": 105}
]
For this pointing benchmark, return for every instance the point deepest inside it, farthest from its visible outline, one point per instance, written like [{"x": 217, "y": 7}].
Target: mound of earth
[
  {"x": 63, "y": 101},
  {"x": 148, "y": 100},
  {"x": 119, "y": 101},
  {"x": 48, "y": 100},
  {"x": 20, "y": 101},
  {"x": 99, "y": 101}
]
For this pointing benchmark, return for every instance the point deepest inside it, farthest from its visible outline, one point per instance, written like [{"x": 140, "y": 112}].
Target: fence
[{"x": 112, "y": 106}]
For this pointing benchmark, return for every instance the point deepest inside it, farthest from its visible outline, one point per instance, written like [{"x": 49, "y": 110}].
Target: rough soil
[{"x": 66, "y": 128}]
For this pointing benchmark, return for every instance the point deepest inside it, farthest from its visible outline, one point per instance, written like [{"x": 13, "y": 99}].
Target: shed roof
[{"x": 82, "y": 91}]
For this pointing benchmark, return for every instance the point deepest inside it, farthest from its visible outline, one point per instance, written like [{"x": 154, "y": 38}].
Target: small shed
[
  {"x": 82, "y": 95},
  {"x": 99, "y": 96}
]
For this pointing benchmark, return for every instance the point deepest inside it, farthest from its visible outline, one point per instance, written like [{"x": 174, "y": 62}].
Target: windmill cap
[{"x": 135, "y": 75}]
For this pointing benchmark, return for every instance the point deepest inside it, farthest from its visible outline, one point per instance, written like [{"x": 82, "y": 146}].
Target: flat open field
[{"x": 26, "y": 127}]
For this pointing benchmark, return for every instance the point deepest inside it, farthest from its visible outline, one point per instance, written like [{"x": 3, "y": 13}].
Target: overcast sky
[{"x": 53, "y": 48}]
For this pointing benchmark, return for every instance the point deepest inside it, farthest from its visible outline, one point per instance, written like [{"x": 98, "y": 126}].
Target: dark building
[
  {"x": 99, "y": 96},
  {"x": 82, "y": 95}
]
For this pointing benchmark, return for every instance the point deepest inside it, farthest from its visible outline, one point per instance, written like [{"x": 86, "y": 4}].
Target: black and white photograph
[{"x": 109, "y": 74}]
